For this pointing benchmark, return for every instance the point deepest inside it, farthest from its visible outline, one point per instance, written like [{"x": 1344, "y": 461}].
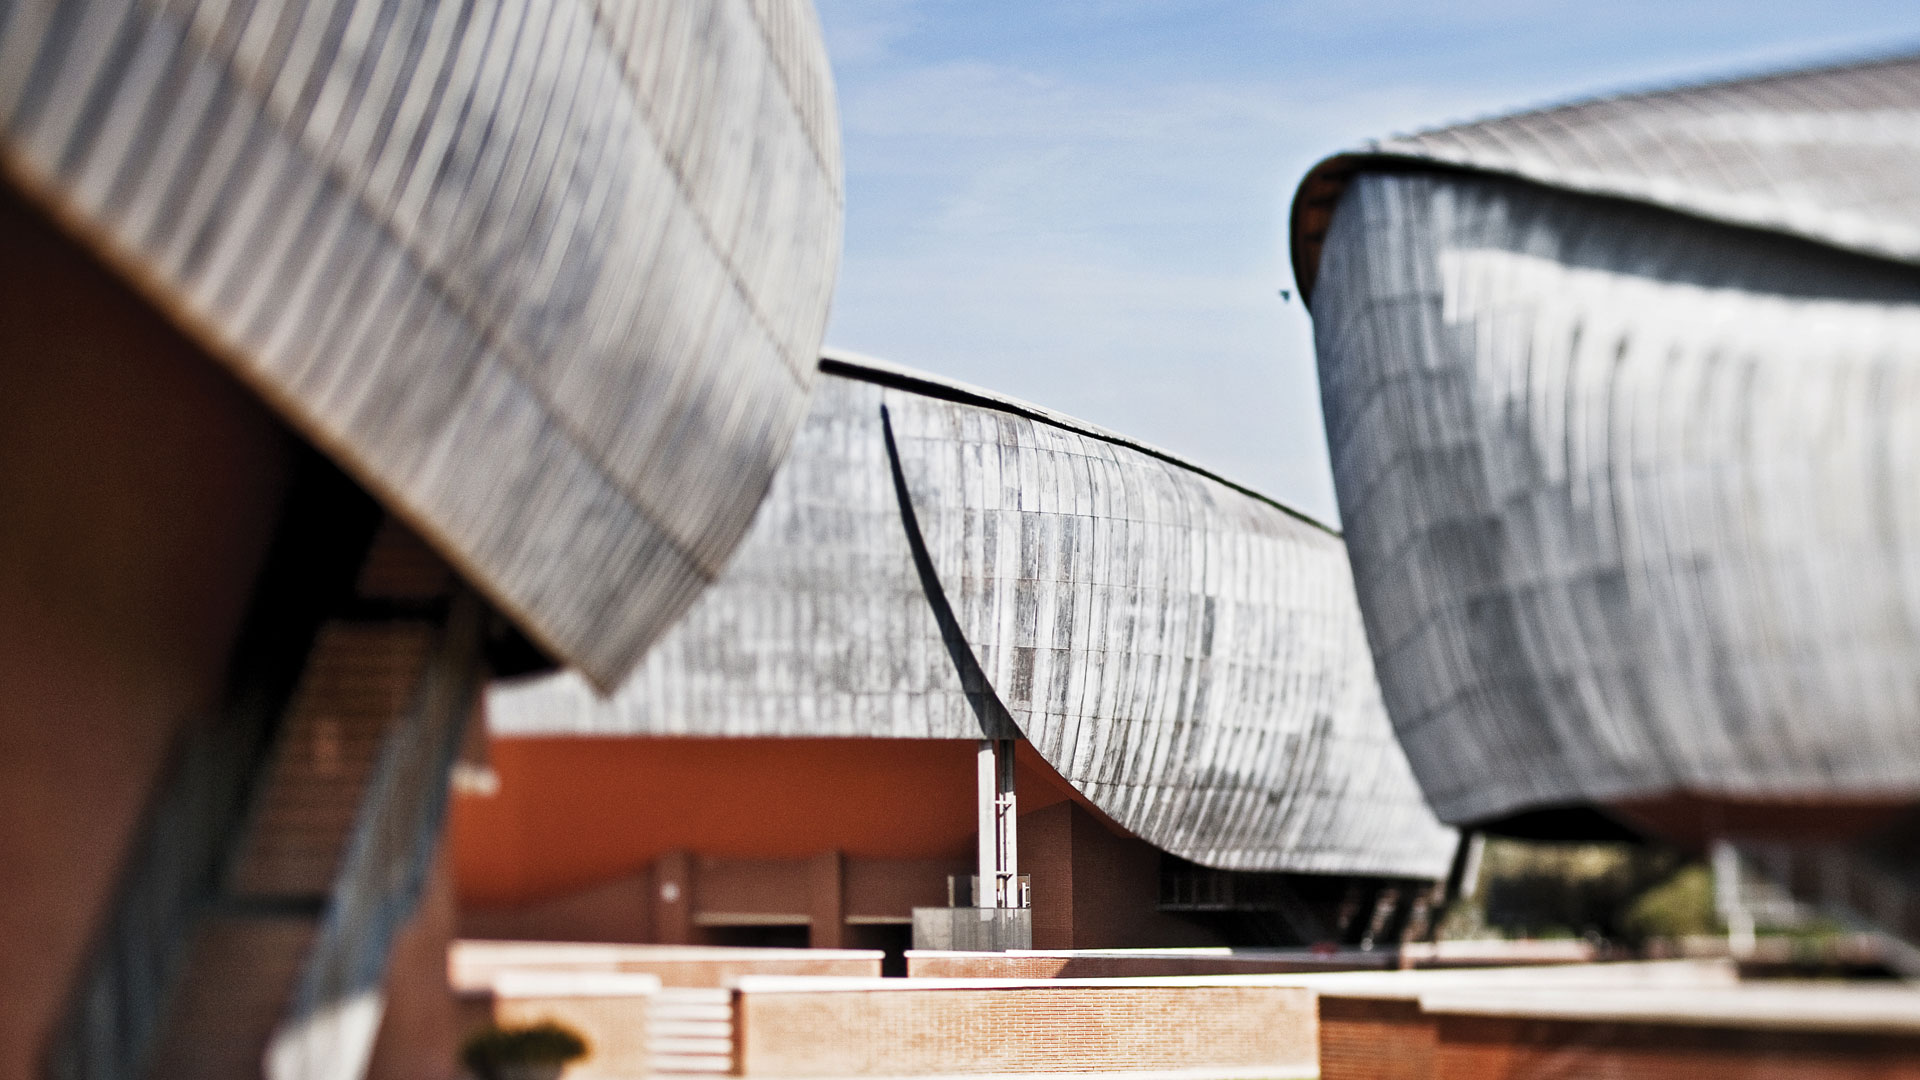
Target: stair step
[
  {"x": 692, "y": 1046},
  {"x": 692, "y": 1064},
  {"x": 690, "y": 1032},
  {"x": 705, "y": 1013},
  {"x": 694, "y": 993},
  {"x": 695, "y": 1029}
]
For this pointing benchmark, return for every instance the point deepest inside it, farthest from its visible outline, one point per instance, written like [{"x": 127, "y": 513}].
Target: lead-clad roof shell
[
  {"x": 547, "y": 276},
  {"x": 1628, "y": 491},
  {"x": 1188, "y": 655},
  {"x": 1825, "y": 154}
]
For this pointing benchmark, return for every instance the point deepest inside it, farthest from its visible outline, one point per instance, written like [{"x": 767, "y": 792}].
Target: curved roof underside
[
  {"x": 1629, "y": 496},
  {"x": 1188, "y": 656},
  {"x": 547, "y": 276},
  {"x": 1826, "y": 154}
]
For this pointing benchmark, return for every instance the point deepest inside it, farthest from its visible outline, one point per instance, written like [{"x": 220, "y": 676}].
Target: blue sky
[{"x": 1083, "y": 203}]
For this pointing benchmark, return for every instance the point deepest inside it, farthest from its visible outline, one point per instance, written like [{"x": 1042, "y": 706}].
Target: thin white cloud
[{"x": 1097, "y": 221}]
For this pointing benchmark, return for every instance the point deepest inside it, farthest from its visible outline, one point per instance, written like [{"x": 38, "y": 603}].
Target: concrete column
[
  {"x": 1006, "y": 824},
  {"x": 986, "y": 775},
  {"x": 1728, "y": 898},
  {"x": 998, "y": 864}
]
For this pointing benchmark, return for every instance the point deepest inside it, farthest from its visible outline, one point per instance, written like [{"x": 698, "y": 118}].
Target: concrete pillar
[{"x": 998, "y": 863}]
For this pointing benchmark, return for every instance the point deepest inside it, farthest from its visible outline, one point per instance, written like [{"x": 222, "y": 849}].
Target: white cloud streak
[{"x": 1106, "y": 235}]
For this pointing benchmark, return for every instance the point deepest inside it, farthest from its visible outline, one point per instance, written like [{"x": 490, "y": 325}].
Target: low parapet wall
[
  {"x": 1804, "y": 1031},
  {"x": 1372, "y": 1027},
  {"x": 1124, "y": 964},
  {"x": 610, "y": 1010},
  {"x": 1672, "y": 1020},
  {"x": 1168, "y": 963},
  {"x": 1669, "y": 1020},
  {"x": 475, "y": 963},
  {"x": 937, "y": 1027}
]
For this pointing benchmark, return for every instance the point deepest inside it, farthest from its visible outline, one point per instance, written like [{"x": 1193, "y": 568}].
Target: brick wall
[
  {"x": 1022, "y": 1028},
  {"x": 1375, "y": 1039},
  {"x": 1475, "y": 1047},
  {"x": 1657, "y": 1021},
  {"x": 608, "y": 1010}
]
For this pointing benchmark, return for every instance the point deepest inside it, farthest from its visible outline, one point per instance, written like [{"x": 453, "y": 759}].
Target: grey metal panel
[
  {"x": 1628, "y": 495},
  {"x": 1217, "y": 694},
  {"x": 1187, "y": 655},
  {"x": 548, "y": 276},
  {"x": 819, "y": 627},
  {"x": 1828, "y": 154}
]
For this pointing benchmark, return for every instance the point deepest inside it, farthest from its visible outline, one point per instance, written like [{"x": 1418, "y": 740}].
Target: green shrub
[
  {"x": 488, "y": 1051},
  {"x": 1678, "y": 907}
]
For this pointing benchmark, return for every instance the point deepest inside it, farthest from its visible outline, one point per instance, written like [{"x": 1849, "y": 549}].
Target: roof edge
[
  {"x": 1312, "y": 215},
  {"x": 851, "y": 365},
  {"x": 1319, "y": 191},
  {"x": 1313, "y": 209}
]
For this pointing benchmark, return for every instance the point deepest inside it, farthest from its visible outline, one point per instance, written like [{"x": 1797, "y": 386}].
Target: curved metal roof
[
  {"x": 1188, "y": 656},
  {"x": 1628, "y": 496},
  {"x": 547, "y": 276},
  {"x": 819, "y": 626},
  {"x": 1826, "y": 154},
  {"x": 1190, "y": 659}
]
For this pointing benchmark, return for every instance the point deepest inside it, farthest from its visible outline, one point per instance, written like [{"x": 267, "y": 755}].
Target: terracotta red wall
[
  {"x": 1094, "y": 886},
  {"x": 138, "y": 489},
  {"x": 573, "y": 813}
]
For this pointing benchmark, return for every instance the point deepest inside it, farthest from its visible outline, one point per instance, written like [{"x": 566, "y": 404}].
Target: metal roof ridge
[{"x": 848, "y": 364}]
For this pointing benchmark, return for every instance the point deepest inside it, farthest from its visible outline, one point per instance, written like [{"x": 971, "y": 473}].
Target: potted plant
[{"x": 532, "y": 1052}]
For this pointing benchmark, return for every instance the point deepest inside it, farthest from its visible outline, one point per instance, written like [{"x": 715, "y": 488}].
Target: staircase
[{"x": 691, "y": 1032}]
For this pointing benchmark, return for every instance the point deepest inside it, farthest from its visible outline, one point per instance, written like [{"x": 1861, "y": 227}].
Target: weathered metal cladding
[
  {"x": 1826, "y": 154},
  {"x": 548, "y": 276},
  {"x": 1628, "y": 495},
  {"x": 819, "y": 627},
  {"x": 1221, "y": 704},
  {"x": 1187, "y": 655}
]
